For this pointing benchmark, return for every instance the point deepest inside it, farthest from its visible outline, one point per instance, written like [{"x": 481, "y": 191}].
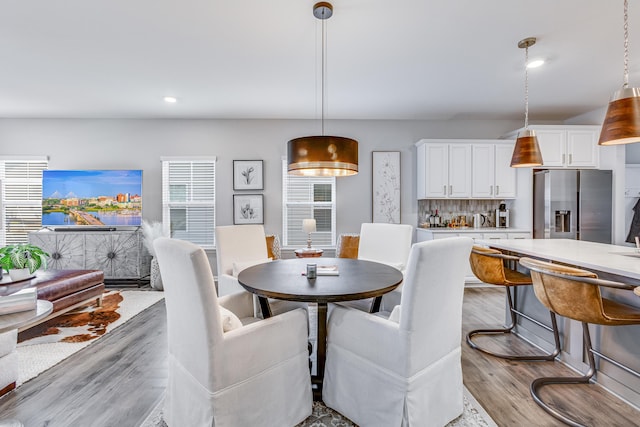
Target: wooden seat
[
  {"x": 575, "y": 294},
  {"x": 489, "y": 266}
]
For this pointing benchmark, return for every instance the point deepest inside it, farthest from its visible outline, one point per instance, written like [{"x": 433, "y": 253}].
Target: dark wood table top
[{"x": 284, "y": 279}]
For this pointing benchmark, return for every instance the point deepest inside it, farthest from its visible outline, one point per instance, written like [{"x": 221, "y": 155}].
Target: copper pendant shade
[
  {"x": 526, "y": 152},
  {"x": 622, "y": 122},
  {"x": 322, "y": 155}
]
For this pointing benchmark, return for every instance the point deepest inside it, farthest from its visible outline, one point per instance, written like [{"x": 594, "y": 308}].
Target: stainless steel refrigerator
[{"x": 572, "y": 204}]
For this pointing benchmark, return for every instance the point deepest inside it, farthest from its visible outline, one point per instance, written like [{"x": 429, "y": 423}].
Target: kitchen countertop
[
  {"x": 474, "y": 230},
  {"x": 622, "y": 261}
]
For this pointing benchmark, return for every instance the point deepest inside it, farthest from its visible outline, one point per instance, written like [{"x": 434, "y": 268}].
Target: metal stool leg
[
  {"x": 537, "y": 384},
  {"x": 509, "y": 329}
]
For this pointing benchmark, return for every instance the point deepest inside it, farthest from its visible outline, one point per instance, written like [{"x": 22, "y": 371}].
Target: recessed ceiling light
[
  {"x": 535, "y": 63},
  {"x": 170, "y": 99}
]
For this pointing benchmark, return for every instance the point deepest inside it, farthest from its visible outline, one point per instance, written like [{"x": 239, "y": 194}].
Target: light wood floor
[{"x": 119, "y": 379}]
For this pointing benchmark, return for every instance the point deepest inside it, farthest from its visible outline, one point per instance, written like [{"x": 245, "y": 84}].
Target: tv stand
[
  {"x": 82, "y": 229},
  {"x": 120, "y": 254}
]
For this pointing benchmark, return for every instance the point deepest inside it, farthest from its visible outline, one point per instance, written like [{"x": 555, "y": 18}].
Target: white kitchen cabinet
[
  {"x": 566, "y": 146},
  {"x": 493, "y": 176},
  {"x": 444, "y": 171},
  {"x": 424, "y": 234}
]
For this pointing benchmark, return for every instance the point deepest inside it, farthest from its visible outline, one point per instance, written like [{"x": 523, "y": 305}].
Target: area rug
[
  {"x": 45, "y": 345},
  {"x": 473, "y": 415}
]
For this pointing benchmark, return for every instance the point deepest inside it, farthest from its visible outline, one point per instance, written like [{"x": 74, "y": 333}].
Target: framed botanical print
[
  {"x": 248, "y": 209},
  {"x": 248, "y": 175},
  {"x": 385, "y": 168}
]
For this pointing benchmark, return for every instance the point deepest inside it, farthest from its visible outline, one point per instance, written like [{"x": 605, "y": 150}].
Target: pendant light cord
[
  {"x": 322, "y": 78},
  {"x": 626, "y": 45},
  {"x": 526, "y": 87}
]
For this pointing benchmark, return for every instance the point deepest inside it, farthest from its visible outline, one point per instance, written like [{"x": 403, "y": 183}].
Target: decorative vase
[
  {"x": 17, "y": 274},
  {"x": 155, "y": 280}
]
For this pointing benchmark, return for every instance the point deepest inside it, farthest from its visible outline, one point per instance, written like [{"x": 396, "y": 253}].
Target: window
[
  {"x": 189, "y": 199},
  {"x": 308, "y": 197},
  {"x": 20, "y": 198}
]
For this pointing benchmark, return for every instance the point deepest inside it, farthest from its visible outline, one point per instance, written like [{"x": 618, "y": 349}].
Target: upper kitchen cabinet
[
  {"x": 566, "y": 146},
  {"x": 443, "y": 170},
  {"x": 492, "y": 174}
]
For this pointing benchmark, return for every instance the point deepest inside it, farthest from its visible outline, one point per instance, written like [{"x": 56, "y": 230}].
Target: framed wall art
[
  {"x": 248, "y": 209},
  {"x": 385, "y": 167},
  {"x": 248, "y": 175}
]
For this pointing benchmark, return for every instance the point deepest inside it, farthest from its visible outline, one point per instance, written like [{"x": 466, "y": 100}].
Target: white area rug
[{"x": 36, "y": 355}]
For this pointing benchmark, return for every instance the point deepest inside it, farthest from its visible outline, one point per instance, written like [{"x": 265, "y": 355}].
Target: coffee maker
[{"x": 502, "y": 216}]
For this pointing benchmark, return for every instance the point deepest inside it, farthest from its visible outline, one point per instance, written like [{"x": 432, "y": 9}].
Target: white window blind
[
  {"x": 20, "y": 198},
  {"x": 308, "y": 197},
  {"x": 189, "y": 199}
]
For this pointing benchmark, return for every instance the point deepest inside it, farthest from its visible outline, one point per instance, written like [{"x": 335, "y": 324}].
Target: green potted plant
[{"x": 22, "y": 260}]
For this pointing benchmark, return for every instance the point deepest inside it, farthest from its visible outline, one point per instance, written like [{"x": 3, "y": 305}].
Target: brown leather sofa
[{"x": 68, "y": 289}]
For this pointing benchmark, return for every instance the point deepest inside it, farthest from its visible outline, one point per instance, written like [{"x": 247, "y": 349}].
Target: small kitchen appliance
[{"x": 502, "y": 216}]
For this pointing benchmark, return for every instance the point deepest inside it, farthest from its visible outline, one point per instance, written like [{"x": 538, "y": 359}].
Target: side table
[{"x": 308, "y": 253}]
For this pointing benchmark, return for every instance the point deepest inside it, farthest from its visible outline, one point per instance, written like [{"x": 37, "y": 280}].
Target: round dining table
[{"x": 286, "y": 280}]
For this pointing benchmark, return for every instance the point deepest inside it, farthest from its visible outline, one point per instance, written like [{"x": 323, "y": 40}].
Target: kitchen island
[{"x": 622, "y": 343}]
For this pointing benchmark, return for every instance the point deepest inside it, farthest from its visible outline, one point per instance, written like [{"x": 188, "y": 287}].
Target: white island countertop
[{"x": 618, "y": 260}]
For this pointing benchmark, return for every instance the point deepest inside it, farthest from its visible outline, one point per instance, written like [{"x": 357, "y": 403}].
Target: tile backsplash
[{"x": 450, "y": 208}]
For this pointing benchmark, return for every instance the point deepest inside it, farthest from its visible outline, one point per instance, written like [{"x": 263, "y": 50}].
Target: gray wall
[{"x": 139, "y": 144}]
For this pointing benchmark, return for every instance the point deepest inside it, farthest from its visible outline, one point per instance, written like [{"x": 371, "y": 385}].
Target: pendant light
[
  {"x": 526, "y": 153},
  {"x": 622, "y": 121},
  {"x": 322, "y": 155}
]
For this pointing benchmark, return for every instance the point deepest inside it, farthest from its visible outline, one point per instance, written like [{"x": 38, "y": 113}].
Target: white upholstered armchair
[
  {"x": 387, "y": 244},
  {"x": 238, "y": 247},
  {"x": 405, "y": 370},
  {"x": 227, "y": 367}
]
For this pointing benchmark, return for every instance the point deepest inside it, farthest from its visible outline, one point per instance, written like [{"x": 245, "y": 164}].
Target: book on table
[
  {"x": 327, "y": 270},
  {"x": 23, "y": 300}
]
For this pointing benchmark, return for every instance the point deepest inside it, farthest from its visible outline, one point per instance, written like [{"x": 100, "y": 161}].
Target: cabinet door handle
[
  {"x": 445, "y": 190},
  {"x": 570, "y": 158},
  {"x": 491, "y": 190},
  {"x": 563, "y": 158},
  {"x": 450, "y": 190},
  {"x": 497, "y": 190}
]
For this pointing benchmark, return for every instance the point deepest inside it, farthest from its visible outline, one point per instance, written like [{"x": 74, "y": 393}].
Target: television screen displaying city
[{"x": 91, "y": 198}]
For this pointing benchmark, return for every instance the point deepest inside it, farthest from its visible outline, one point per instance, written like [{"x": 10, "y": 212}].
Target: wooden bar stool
[
  {"x": 488, "y": 265},
  {"x": 575, "y": 294}
]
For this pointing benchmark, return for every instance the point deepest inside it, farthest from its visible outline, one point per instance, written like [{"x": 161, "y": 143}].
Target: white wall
[{"x": 139, "y": 144}]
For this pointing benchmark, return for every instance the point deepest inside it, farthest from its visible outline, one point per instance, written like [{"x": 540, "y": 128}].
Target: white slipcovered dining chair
[
  {"x": 226, "y": 367},
  {"x": 8, "y": 361},
  {"x": 239, "y": 247},
  {"x": 387, "y": 244},
  {"x": 405, "y": 370}
]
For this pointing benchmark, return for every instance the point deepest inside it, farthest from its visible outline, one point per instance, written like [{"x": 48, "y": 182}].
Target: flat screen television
[{"x": 96, "y": 198}]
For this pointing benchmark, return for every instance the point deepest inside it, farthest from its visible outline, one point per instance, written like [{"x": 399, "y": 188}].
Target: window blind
[
  {"x": 189, "y": 199},
  {"x": 308, "y": 197},
  {"x": 20, "y": 198}
]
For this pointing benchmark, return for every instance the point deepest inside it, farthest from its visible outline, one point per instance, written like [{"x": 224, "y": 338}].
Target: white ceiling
[{"x": 404, "y": 59}]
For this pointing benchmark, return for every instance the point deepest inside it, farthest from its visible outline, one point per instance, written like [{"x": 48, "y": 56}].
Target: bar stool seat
[
  {"x": 575, "y": 293},
  {"x": 488, "y": 265}
]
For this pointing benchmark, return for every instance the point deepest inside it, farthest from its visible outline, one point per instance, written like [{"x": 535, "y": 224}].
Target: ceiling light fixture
[
  {"x": 535, "y": 63},
  {"x": 322, "y": 155},
  {"x": 526, "y": 153},
  {"x": 622, "y": 122},
  {"x": 170, "y": 99}
]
